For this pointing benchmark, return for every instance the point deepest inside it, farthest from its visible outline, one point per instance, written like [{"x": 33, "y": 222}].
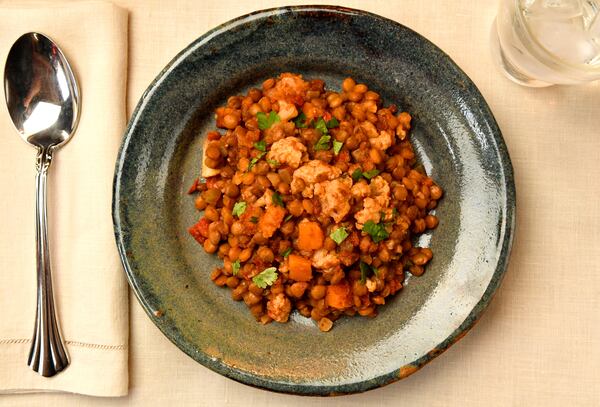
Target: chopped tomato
[
  {"x": 199, "y": 231},
  {"x": 194, "y": 186}
]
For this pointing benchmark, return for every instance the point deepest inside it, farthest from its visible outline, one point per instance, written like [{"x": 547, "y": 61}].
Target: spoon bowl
[
  {"x": 42, "y": 97},
  {"x": 41, "y": 91}
]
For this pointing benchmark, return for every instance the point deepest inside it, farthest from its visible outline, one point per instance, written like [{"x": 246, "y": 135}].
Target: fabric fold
[{"x": 89, "y": 285}]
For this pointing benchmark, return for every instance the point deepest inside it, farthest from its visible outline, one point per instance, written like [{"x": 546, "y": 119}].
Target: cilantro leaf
[
  {"x": 255, "y": 160},
  {"x": 339, "y": 235},
  {"x": 286, "y": 252},
  {"x": 300, "y": 121},
  {"x": 377, "y": 231},
  {"x": 364, "y": 271},
  {"x": 254, "y": 219},
  {"x": 321, "y": 125},
  {"x": 276, "y": 199},
  {"x": 266, "y": 277},
  {"x": 239, "y": 208},
  {"x": 264, "y": 121},
  {"x": 337, "y": 147},
  {"x": 333, "y": 123},
  {"x": 288, "y": 217},
  {"x": 261, "y": 145},
  {"x": 358, "y": 173},
  {"x": 394, "y": 213},
  {"x": 370, "y": 174},
  {"x": 274, "y": 163},
  {"x": 235, "y": 267},
  {"x": 323, "y": 143}
]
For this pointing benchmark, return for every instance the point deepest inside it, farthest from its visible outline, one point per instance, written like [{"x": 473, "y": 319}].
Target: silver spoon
[{"x": 43, "y": 101}]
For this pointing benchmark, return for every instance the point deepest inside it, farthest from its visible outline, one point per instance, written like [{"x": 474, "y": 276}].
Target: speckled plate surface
[{"x": 455, "y": 136}]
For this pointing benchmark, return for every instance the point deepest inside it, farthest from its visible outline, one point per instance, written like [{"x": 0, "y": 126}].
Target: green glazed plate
[{"x": 456, "y": 139}]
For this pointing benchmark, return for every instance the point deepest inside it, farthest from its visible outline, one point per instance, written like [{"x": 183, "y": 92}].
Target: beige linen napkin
[{"x": 90, "y": 288}]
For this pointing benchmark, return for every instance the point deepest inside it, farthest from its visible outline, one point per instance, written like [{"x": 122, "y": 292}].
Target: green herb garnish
[
  {"x": 276, "y": 199},
  {"x": 337, "y": 147},
  {"x": 255, "y": 160},
  {"x": 264, "y": 121},
  {"x": 339, "y": 235},
  {"x": 274, "y": 163},
  {"x": 286, "y": 252},
  {"x": 254, "y": 219},
  {"x": 239, "y": 208},
  {"x": 235, "y": 267},
  {"x": 261, "y": 145},
  {"x": 333, "y": 123},
  {"x": 356, "y": 174},
  {"x": 323, "y": 143},
  {"x": 365, "y": 270},
  {"x": 394, "y": 213},
  {"x": 300, "y": 121},
  {"x": 266, "y": 277},
  {"x": 370, "y": 174},
  {"x": 377, "y": 231},
  {"x": 288, "y": 217},
  {"x": 321, "y": 125}
]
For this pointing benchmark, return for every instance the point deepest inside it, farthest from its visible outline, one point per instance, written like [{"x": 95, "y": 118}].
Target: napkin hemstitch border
[{"x": 72, "y": 343}]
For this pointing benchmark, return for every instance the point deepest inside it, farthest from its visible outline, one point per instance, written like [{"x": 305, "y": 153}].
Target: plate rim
[{"x": 509, "y": 220}]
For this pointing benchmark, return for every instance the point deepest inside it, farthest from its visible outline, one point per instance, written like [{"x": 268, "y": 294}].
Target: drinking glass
[{"x": 548, "y": 42}]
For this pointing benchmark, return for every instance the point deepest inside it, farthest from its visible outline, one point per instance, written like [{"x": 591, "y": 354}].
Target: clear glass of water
[{"x": 548, "y": 42}]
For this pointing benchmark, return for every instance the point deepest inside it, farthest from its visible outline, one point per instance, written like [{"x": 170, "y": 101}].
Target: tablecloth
[{"x": 537, "y": 343}]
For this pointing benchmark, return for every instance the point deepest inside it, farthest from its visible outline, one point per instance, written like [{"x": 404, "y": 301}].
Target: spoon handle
[{"x": 47, "y": 355}]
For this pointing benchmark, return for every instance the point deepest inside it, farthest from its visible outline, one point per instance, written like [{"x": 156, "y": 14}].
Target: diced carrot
[
  {"x": 270, "y": 220},
  {"x": 300, "y": 269},
  {"x": 310, "y": 236},
  {"x": 338, "y": 296},
  {"x": 199, "y": 231}
]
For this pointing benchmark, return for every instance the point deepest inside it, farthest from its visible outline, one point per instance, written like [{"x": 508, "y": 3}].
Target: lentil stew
[{"x": 312, "y": 198}]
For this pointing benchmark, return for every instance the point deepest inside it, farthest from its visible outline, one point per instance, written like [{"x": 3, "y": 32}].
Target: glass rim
[{"x": 546, "y": 56}]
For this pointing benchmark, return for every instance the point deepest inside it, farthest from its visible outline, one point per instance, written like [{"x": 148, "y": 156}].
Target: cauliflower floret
[
  {"x": 371, "y": 211},
  {"x": 289, "y": 87},
  {"x": 323, "y": 259},
  {"x": 382, "y": 142},
  {"x": 334, "y": 197},
  {"x": 375, "y": 204},
  {"x": 287, "y": 151},
  {"x": 264, "y": 200},
  {"x": 360, "y": 190},
  {"x": 312, "y": 172},
  {"x": 279, "y": 308},
  {"x": 287, "y": 110},
  {"x": 380, "y": 190}
]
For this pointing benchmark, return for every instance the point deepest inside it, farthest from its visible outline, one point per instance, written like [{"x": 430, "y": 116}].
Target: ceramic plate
[{"x": 456, "y": 139}]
